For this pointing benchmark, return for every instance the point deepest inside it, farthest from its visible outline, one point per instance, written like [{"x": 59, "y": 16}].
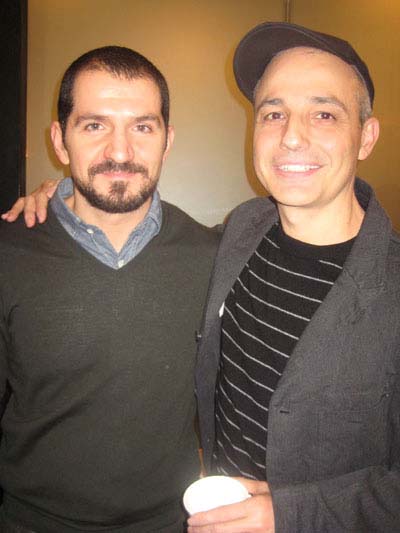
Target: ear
[
  {"x": 58, "y": 143},
  {"x": 170, "y": 141},
  {"x": 369, "y": 136}
]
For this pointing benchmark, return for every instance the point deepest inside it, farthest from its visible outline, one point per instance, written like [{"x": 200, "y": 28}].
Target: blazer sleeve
[{"x": 363, "y": 501}]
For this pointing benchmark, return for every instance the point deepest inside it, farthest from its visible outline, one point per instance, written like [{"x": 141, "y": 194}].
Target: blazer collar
[{"x": 246, "y": 227}]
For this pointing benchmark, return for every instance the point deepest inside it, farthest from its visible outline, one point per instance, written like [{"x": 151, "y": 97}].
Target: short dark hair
[{"x": 118, "y": 61}]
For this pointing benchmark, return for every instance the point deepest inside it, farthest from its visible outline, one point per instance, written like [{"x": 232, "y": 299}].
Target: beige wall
[
  {"x": 192, "y": 41},
  {"x": 373, "y": 27}
]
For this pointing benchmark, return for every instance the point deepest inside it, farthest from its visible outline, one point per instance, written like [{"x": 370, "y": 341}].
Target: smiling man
[
  {"x": 299, "y": 361},
  {"x": 98, "y": 311}
]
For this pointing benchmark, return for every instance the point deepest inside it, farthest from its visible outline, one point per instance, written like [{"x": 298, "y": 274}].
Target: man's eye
[
  {"x": 93, "y": 126},
  {"x": 324, "y": 115},
  {"x": 272, "y": 116},
  {"x": 143, "y": 128}
]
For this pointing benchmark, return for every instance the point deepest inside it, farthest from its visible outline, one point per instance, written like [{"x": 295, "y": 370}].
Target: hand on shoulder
[{"x": 34, "y": 205}]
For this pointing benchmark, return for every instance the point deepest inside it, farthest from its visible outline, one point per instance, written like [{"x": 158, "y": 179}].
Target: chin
[{"x": 294, "y": 200}]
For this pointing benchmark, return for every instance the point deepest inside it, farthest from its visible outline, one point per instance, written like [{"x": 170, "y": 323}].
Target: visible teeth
[{"x": 297, "y": 168}]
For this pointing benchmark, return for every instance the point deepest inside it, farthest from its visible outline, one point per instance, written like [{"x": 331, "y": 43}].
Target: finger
[
  {"x": 4, "y": 216},
  {"x": 42, "y": 200},
  {"x": 242, "y": 525},
  {"x": 226, "y": 527},
  {"x": 16, "y": 209},
  {"x": 36, "y": 203},
  {"x": 30, "y": 211},
  {"x": 201, "y": 529},
  {"x": 219, "y": 514},
  {"x": 253, "y": 486}
]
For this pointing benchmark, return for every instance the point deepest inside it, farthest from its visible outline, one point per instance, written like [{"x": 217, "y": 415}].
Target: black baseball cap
[{"x": 261, "y": 44}]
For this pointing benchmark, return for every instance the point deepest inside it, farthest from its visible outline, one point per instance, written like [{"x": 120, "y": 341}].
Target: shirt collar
[{"x": 68, "y": 218}]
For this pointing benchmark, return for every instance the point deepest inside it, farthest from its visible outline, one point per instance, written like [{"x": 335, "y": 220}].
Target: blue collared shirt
[{"x": 93, "y": 239}]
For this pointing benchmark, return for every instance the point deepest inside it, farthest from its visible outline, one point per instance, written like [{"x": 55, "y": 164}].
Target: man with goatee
[{"x": 98, "y": 311}]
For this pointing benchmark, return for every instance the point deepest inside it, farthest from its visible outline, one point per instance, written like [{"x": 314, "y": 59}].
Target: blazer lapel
[
  {"x": 315, "y": 356},
  {"x": 240, "y": 240}
]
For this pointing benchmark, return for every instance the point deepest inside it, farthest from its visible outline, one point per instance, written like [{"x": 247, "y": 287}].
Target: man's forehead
[
  {"x": 291, "y": 55},
  {"x": 103, "y": 76},
  {"x": 292, "y": 59},
  {"x": 99, "y": 84}
]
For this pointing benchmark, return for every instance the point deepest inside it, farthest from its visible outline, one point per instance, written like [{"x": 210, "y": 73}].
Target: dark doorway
[{"x": 13, "y": 68}]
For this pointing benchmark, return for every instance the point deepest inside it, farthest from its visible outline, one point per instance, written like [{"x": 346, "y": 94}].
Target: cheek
[
  {"x": 80, "y": 165},
  {"x": 262, "y": 147},
  {"x": 152, "y": 155},
  {"x": 76, "y": 162},
  {"x": 336, "y": 145}
]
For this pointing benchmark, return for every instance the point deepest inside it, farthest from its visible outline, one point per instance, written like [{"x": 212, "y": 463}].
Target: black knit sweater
[{"x": 98, "y": 431}]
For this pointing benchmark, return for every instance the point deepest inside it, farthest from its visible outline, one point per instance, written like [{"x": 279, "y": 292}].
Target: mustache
[{"x": 110, "y": 165}]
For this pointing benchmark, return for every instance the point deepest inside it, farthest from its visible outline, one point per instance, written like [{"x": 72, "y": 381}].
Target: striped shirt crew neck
[{"x": 265, "y": 313}]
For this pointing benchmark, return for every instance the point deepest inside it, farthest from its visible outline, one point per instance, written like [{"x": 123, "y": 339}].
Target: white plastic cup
[{"x": 213, "y": 491}]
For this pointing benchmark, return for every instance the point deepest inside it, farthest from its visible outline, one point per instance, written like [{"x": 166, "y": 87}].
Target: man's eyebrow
[
  {"x": 329, "y": 100},
  {"x": 82, "y": 118},
  {"x": 269, "y": 101},
  {"x": 101, "y": 118},
  {"x": 314, "y": 99},
  {"x": 146, "y": 118}
]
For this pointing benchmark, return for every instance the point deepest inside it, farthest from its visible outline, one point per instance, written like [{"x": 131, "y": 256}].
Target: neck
[
  {"x": 116, "y": 226},
  {"x": 322, "y": 226}
]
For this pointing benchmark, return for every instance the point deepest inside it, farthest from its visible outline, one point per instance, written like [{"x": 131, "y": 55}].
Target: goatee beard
[{"x": 117, "y": 200}]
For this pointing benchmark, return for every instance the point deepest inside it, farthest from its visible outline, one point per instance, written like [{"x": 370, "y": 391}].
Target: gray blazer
[{"x": 333, "y": 452}]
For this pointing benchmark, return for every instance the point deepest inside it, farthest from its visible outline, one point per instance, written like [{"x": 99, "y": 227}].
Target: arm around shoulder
[{"x": 34, "y": 205}]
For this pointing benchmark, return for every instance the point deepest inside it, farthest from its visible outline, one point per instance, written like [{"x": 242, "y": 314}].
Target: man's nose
[
  {"x": 119, "y": 147},
  {"x": 295, "y": 135}
]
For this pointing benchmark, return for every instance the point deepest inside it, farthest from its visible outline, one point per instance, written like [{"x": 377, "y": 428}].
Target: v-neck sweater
[{"x": 98, "y": 431}]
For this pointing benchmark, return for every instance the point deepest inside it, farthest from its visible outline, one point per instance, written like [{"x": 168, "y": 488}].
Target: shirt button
[
  {"x": 121, "y": 263},
  {"x": 90, "y": 231}
]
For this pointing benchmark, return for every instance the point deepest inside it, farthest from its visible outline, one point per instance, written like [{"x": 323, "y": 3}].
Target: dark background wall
[{"x": 13, "y": 36}]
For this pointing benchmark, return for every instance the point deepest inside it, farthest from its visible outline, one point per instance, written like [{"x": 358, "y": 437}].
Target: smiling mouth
[{"x": 297, "y": 168}]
